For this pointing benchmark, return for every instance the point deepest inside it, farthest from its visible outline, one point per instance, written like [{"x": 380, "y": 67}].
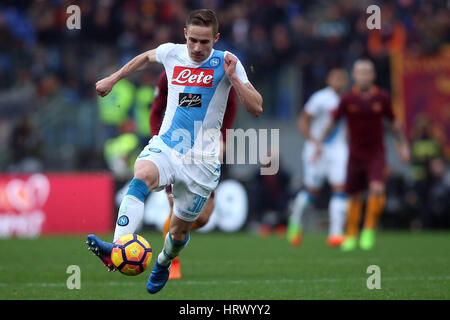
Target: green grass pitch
[{"x": 236, "y": 266}]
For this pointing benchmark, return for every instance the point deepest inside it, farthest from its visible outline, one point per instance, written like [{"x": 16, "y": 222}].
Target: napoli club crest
[
  {"x": 122, "y": 221},
  {"x": 214, "y": 62}
]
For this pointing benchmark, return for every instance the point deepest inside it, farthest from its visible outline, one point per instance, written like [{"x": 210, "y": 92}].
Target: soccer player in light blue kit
[
  {"x": 186, "y": 151},
  {"x": 331, "y": 165}
]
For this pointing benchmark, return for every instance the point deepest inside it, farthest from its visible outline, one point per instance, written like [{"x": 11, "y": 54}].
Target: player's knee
[
  {"x": 178, "y": 231},
  {"x": 313, "y": 193},
  {"x": 178, "y": 235},
  {"x": 338, "y": 189},
  {"x": 377, "y": 188},
  {"x": 356, "y": 197},
  {"x": 147, "y": 175}
]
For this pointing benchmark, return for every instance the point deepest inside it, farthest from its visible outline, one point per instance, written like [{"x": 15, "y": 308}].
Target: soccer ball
[{"x": 131, "y": 254}]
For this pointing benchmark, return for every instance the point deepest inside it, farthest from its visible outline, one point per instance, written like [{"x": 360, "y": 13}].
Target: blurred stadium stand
[{"x": 48, "y": 75}]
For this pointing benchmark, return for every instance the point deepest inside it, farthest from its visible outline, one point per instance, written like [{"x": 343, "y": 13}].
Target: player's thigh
[
  {"x": 377, "y": 173},
  {"x": 192, "y": 189},
  {"x": 148, "y": 172},
  {"x": 188, "y": 203},
  {"x": 356, "y": 178},
  {"x": 154, "y": 165},
  {"x": 206, "y": 213},
  {"x": 169, "y": 196}
]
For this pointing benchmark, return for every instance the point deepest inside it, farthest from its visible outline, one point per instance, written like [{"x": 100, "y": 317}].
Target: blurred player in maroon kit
[
  {"x": 156, "y": 116},
  {"x": 365, "y": 107}
]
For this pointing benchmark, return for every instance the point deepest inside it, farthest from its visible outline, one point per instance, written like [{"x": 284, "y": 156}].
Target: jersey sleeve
[
  {"x": 240, "y": 70},
  {"x": 312, "y": 105},
  {"x": 163, "y": 50},
  {"x": 159, "y": 104}
]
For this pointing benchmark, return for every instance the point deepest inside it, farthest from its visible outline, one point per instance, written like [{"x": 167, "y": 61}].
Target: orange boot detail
[{"x": 175, "y": 269}]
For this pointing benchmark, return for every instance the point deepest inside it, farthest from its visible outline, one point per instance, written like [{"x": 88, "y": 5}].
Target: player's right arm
[
  {"x": 311, "y": 110},
  {"x": 329, "y": 129},
  {"x": 251, "y": 99},
  {"x": 336, "y": 116},
  {"x": 140, "y": 62},
  {"x": 304, "y": 125},
  {"x": 397, "y": 129}
]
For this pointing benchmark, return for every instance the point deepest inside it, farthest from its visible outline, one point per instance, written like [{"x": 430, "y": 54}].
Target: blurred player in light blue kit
[{"x": 330, "y": 165}]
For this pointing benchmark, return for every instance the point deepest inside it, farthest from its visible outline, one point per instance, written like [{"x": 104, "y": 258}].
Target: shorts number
[{"x": 199, "y": 202}]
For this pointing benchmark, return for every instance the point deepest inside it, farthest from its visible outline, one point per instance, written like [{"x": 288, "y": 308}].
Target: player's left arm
[
  {"x": 398, "y": 130},
  {"x": 403, "y": 145},
  {"x": 336, "y": 116},
  {"x": 249, "y": 96}
]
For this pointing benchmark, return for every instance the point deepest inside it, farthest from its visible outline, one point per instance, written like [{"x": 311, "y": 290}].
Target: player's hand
[
  {"x": 317, "y": 151},
  {"x": 404, "y": 153},
  {"x": 230, "y": 65},
  {"x": 104, "y": 86}
]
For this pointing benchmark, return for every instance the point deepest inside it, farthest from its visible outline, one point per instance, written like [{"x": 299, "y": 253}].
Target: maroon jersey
[
  {"x": 364, "y": 113},
  {"x": 160, "y": 103}
]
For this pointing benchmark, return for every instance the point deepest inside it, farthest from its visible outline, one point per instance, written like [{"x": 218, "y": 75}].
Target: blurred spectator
[
  {"x": 121, "y": 152},
  {"x": 144, "y": 97},
  {"x": 253, "y": 29},
  {"x": 114, "y": 109},
  {"x": 424, "y": 148},
  {"x": 269, "y": 196},
  {"x": 430, "y": 195},
  {"x": 26, "y": 146}
]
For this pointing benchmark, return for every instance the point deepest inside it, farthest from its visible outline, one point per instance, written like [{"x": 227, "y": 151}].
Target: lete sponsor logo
[
  {"x": 21, "y": 203},
  {"x": 192, "y": 77}
]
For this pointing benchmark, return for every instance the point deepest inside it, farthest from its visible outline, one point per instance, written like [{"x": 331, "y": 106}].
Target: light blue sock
[
  {"x": 338, "y": 213},
  {"x": 302, "y": 201},
  {"x": 171, "y": 249}
]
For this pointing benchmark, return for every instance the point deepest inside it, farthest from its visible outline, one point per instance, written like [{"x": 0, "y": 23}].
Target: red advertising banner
[
  {"x": 422, "y": 90},
  {"x": 54, "y": 203}
]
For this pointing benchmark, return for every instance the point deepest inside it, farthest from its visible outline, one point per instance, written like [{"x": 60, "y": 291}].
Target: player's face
[
  {"x": 338, "y": 80},
  {"x": 200, "y": 41},
  {"x": 363, "y": 74}
]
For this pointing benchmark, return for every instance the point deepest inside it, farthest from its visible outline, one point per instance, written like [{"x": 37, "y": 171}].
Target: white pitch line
[{"x": 233, "y": 282}]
